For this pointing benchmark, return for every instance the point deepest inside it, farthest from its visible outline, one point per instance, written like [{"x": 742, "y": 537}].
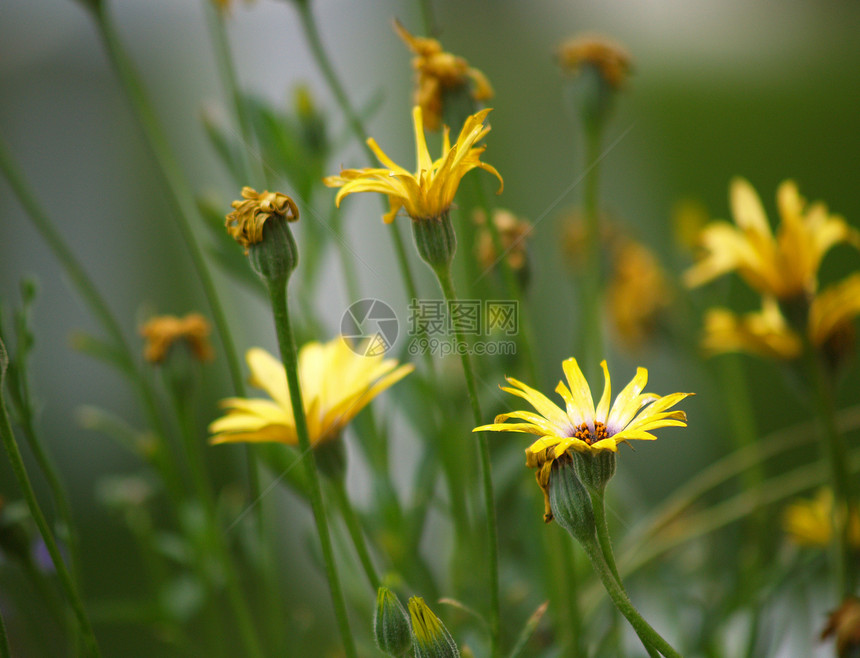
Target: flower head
[
  {"x": 245, "y": 223},
  {"x": 582, "y": 427},
  {"x": 784, "y": 265},
  {"x": 513, "y": 233},
  {"x": 610, "y": 59},
  {"x": 810, "y": 522},
  {"x": 438, "y": 72},
  {"x": 163, "y": 331},
  {"x": 429, "y": 192},
  {"x": 637, "y": 292},
  {"x": 336, "y": 384},
  {"x": 767, "y": 333}
]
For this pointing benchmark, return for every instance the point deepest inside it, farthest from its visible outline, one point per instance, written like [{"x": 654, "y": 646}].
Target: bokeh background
[{"x": 767, "y": 90}]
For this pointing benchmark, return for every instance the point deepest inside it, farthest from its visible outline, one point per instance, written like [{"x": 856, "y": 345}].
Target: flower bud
[
  {"x": 571, "y": 506},
  {"x": 436, "y": 241},
  {"x": 390, "y": 624},
  {"x": 595, "y": 469},
  {"x": 430, "y": 638}
]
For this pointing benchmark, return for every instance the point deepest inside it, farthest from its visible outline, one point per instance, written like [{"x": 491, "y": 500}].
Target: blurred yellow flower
[
  {"x": 336, "y": 384},
  {"x": 438, "y": 72},
  {"x": 810, "y": 522},
  {"x": 580, "y": 426},
  {"x": 637, "y": 292},
  {"x": 429, "y": 192},
  {"x": 610, "y": 59},
  {"x": 163, "y": 331},
  {"x": 245, "y": 223},
  {"x": 783, "y": 266},
  {"x": 767, "y": 333},
  {"x": 513, "y": 233},
  {"x": 764, "y": 333}
]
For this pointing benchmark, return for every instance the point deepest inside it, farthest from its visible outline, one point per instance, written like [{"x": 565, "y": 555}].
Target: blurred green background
[{"x": 767, "y": 90}]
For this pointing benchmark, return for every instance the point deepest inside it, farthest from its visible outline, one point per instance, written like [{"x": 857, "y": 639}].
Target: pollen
[{"x": 585, "y": 434}]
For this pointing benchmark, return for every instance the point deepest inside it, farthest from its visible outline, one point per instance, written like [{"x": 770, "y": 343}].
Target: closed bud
[
  {"x": 595, "y": 469},
  {"x": 276, "y": 256},
  {"x": 390, "y": 624},
  {"x": 570, "y": 503},
  {"x": 430, "y": 638},
  {"x": 436, "y": 241}
]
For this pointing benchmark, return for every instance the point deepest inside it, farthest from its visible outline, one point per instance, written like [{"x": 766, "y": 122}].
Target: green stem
[
  {"x": 845, "y": 503},
  {"x": 646, "y": 633},
  {"x": 204, "y": 491},
  {"x": 84, "y": 626},
  {"x": 447, "y": 285},
  {"x": 176, "y": 182},
  {"x": 356, "y": 533},
  {"x": 592, "y": 334},
  {"x": 287, "y": 346},
  {"x": 229, "y": 80},
  {"x": 598, "y": 504},
  {"x": 186, "y": 208},
  {"x": 324, "y": 63}
]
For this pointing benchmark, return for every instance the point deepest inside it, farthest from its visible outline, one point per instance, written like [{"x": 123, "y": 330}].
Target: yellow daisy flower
[
  {"x": 438, "y": 72},
  {"x": 767, "y": 333},
  {"x": 581, "y": 427},
  {"x": 810, "y": 522},
  {"x": 784, "y": 265},
  {"x": 336, "y": 384},
  {"x": 429, "y": 192}
]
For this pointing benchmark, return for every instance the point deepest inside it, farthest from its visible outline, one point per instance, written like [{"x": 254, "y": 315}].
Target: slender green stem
[
  {"x": 598, "y": 504},
  {"x": 646, "y": 633},
  {"x": 592, "y": 329},
  {"x": 287, "y": 346},
  {"x": 84, "y": 626},
  {"x": 227, "y": 71},
  {"x": 845, "y": 502},
  {"x": 183, "y": 197},
  {"x": 203, "y": 488},
  {"x": 353, "y": 525},
  {"x": 186, "y": 209},
  {"x": 450, "y": 295},
  {"x": 309, "y": 27}
]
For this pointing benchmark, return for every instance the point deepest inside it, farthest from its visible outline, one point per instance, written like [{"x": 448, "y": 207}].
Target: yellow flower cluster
[
  {"x": 783, "y": 268},
  {"x": 610, "y": 59},
  {"x": 245, "y": 223}
]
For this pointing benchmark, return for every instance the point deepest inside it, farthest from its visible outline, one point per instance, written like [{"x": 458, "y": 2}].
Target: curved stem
[
  {"x": 356, "y": 533},
  {"x": 287, "y": 346},
  {"x": 450, "y": 295},
  {"x": 84, "y": 626},
  {"x": 646, "y": 633},
  {"x": 598, "y": 504}
]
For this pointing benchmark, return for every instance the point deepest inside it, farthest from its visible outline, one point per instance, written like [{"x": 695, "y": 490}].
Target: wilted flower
[
  {"x": 163, "y": 331},
  {"x": 581, "y": 427},
  {"x": 429, "y": 192},
  {"x": 439, "y": 72},
  {"x": 245, "y": 223},
  {"x": 610, "y": 59},
  {"x": 336, "y": 384},
  {"x": 844, "y": 623}
]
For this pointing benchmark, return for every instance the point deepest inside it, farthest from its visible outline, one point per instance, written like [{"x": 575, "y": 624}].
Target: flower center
[{"x": 600, "y": 432}]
